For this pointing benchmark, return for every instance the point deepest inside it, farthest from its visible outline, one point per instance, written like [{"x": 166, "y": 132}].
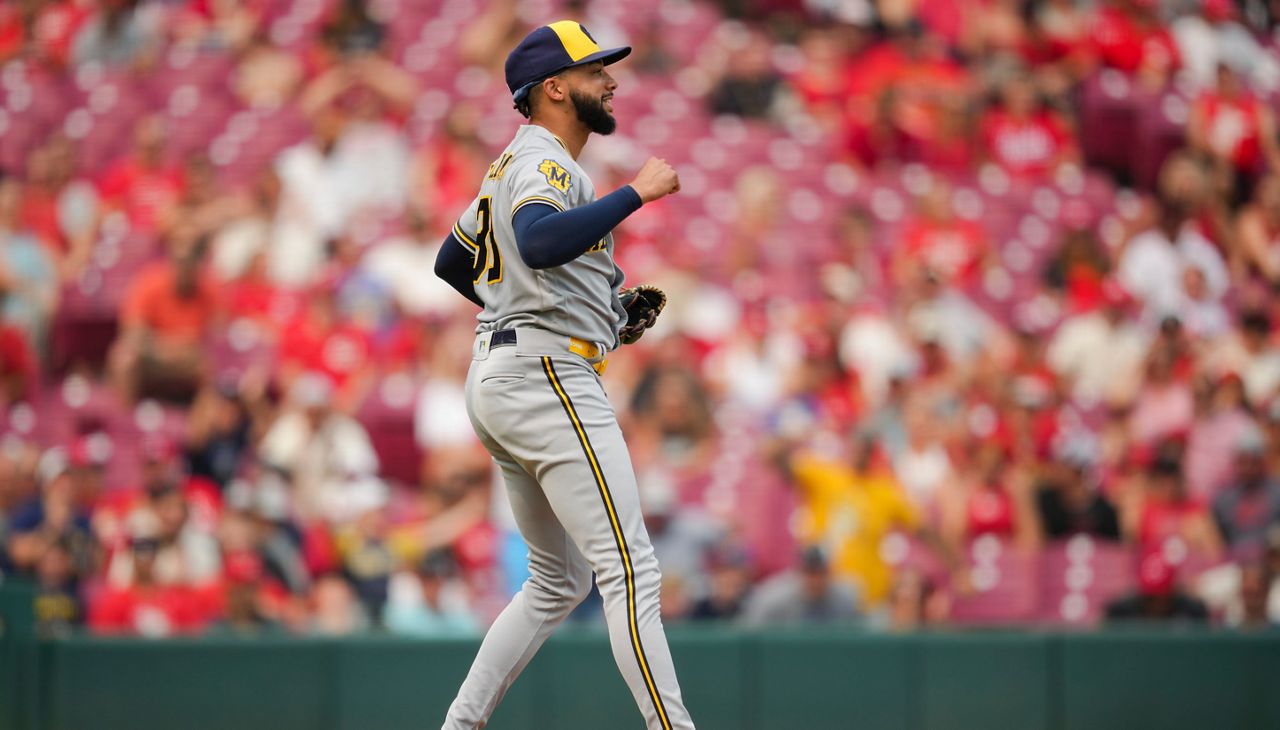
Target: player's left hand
[{"x": 643, "y": 304}]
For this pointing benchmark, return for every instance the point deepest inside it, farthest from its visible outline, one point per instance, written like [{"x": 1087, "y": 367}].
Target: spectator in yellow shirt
[{"x": 849, "y": 509}]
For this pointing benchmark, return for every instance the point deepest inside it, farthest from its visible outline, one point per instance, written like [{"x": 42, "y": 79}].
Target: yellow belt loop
[
  {"x": 589, "y": 351},
  {"x": 582, "y": 347}
]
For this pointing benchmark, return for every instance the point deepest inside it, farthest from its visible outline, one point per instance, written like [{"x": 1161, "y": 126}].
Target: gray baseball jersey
[{"x": 578, "y": 299}]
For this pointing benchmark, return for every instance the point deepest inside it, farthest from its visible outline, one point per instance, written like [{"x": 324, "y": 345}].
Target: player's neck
[{"x": 572, "y": 133}]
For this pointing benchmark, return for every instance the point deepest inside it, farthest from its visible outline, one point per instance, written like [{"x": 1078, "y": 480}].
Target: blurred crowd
[{"x": 974, "y": 313}]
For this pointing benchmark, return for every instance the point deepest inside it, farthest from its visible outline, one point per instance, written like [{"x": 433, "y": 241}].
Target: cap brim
[{"x": 608, "y": 56}]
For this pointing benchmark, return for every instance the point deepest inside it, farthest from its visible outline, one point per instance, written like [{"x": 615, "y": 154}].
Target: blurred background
[{"x": 973, "y": 311}]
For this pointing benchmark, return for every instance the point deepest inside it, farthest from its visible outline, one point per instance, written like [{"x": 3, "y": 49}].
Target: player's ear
[{"x": 555, "y": 88}]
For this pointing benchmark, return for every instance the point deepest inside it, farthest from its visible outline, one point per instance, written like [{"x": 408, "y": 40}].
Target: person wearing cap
[
  {"x": 535, "y": 250},
  {"x": 439, "y": 608},
  {"x": 52, "y": 516},
  {"x": 1069, "y": 499},
  {"x": 1246, "y": 510},
  {"x": 806, "y": 595},
  {"x": 1159, "y": 597},
  {"x": 729, "y": 575},
  {"x": 1160, "y": 515}
]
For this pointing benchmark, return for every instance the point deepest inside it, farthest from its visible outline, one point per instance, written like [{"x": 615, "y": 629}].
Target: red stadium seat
[
  {"x": 1004, "y": 585},
  {"x": 1078, "y": 576}
]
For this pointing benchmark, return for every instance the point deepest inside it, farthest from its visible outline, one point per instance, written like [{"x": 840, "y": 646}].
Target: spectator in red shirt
[
  {"x": 56, "y": 28},
  {"x": 947, "y": 146},
  {"x": 1160, "y": 518},
  {"x": 144, "y": 606},
  {"x": 1236, "y": 131},
  {"x": 253, "y": 297},
  {"x": 323, "y": 342},
  {"x": 1060, "y": 31},
  {"x": 993, "y": 499},
  {"x": 144, "y": 183},
  {"x": 1128, "y": 35},
  {"x": 160, "y": 472},
  {"x": 258, "y": 570},
  {"x": 908, "y": 94},
  {"x": 40, "y": 29},
  {"x": 820, "y": 82},
  {"x": 445, "y": 168},
  {"x": 936, "y": 242},
  {"x": 187, "y": 553},
  {"x": 167, "y": 311},
  {"x": 15, "y": 23},
  {"x": 1021, "y": 135},
  {"x": 58, "y": 208}
]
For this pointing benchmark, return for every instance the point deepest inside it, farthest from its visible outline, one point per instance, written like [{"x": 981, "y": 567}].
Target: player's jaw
[{"x": 594, "y": 112}]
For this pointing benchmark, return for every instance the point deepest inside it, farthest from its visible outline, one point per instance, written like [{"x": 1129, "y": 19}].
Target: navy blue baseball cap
[{"x": 550, "y": 49}]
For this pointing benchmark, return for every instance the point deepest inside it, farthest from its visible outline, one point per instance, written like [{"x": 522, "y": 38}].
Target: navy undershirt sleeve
[
  {"x": 453, "y": 264},
  {"x": 547, "y": 237}
]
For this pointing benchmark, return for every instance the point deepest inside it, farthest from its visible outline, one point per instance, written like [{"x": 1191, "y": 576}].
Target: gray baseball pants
[{"x": 542, "y": 413}]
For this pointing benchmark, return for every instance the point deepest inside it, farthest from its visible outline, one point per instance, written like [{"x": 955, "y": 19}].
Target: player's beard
[{"x": 591, "y": 113}]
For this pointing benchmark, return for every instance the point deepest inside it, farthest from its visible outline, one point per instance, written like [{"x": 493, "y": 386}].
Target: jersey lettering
[{"x": 499, "y": 166}]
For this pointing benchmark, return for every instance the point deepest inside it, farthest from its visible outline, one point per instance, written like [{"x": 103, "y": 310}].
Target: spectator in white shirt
[{"x": 1099, "y": 353}]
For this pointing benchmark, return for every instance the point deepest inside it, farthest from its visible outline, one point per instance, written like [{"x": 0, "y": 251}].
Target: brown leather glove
[{"x": 643, "y": 305}]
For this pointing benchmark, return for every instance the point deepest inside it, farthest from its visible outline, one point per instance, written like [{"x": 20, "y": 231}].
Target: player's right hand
[{"x": 655, "y": 180}]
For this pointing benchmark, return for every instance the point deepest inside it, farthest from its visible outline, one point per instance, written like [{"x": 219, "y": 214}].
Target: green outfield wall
[{"x": 732, "y": 681}]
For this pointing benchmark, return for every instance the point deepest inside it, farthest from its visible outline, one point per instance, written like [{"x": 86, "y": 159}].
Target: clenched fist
[{"x": 655, "y": 180}]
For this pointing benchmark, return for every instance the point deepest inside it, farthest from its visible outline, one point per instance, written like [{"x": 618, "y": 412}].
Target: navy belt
[{"x": 502, "y": 338}]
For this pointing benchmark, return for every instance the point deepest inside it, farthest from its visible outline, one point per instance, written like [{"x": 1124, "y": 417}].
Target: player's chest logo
[
  {"x": 601, "y": 245},
  {"x": 557, "y": 176}
]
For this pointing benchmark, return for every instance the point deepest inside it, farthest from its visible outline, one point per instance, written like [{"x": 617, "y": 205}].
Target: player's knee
[
  {"x": 558, "y": 594},
  {"x": 578, "y": 584},
  {"x": 580, "y": 588},
  {"x": 648, "y": 580}
]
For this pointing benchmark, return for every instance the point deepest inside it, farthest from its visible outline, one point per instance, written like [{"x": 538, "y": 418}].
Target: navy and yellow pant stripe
[{"x": 620, "y": 540}]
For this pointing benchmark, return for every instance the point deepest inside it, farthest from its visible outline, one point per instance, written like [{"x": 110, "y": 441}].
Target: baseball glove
[{"x": 643, "y": 304}]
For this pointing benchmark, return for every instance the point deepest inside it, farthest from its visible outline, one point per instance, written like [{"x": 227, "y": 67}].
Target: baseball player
[{"x": 535, "y": 250}]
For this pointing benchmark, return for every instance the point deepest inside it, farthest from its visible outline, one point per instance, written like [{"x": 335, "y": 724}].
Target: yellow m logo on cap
[{"x": 576, "y": 42}]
